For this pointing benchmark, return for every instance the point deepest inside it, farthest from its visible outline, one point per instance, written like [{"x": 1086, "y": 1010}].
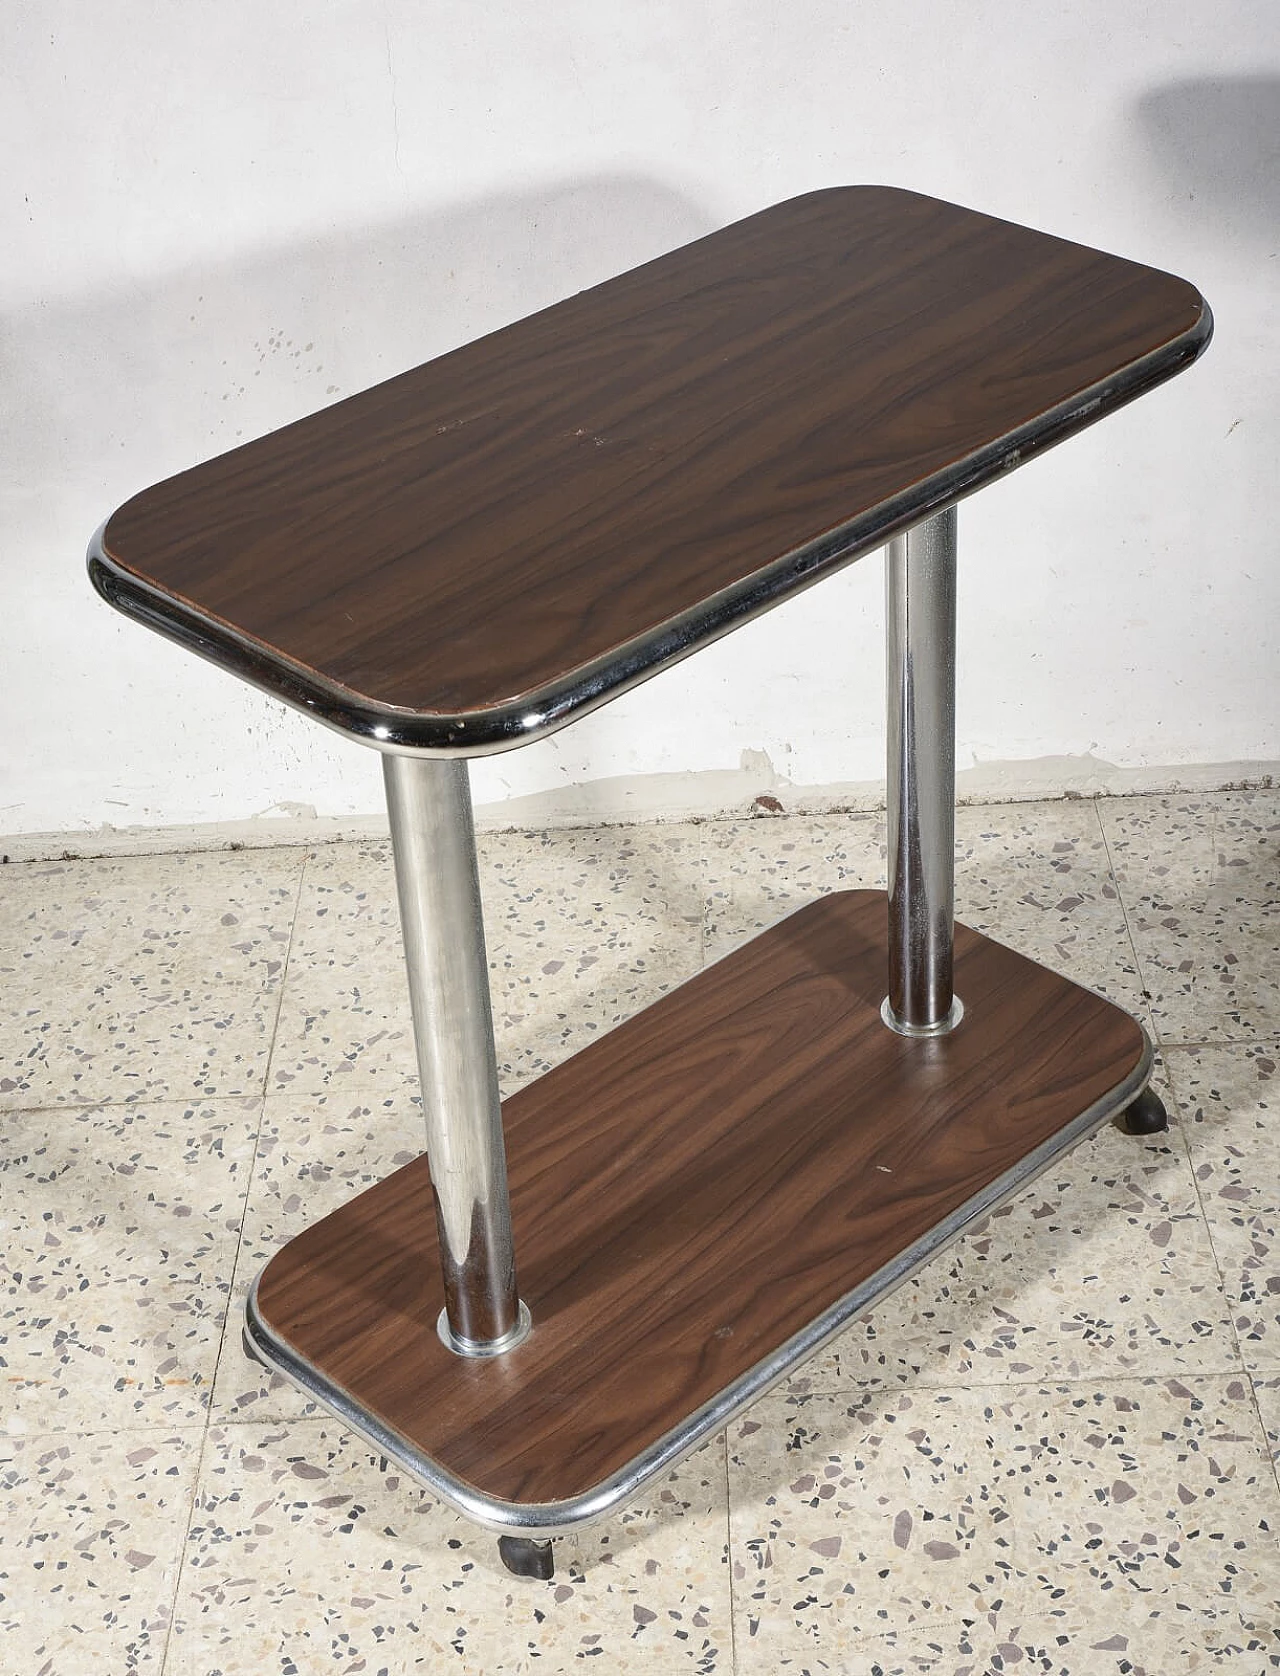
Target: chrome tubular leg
[
  {"x": 921, "y": 668},
  {"x": 433, "y": 838}
]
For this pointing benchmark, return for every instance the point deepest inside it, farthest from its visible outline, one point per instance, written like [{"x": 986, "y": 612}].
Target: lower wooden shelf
[{"x": 700, "y": 1200}]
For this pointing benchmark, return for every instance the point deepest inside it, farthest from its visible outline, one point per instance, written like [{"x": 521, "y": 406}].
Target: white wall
[{"x": 218, "y": 216}]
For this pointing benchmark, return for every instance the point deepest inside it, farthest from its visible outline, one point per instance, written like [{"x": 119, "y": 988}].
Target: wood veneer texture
[
  {"x": 692, "y": 1190},
  {"x": 476, "y": 530}
]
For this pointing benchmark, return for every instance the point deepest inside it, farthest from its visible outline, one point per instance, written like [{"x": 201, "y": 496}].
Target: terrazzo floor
[{"x": 1053, "y": 1452}]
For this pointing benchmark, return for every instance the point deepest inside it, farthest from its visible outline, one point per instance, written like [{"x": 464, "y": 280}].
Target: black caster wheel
[
  {"x": 527, "y": 1556},
  {"x": 1146, "y": 1116}
]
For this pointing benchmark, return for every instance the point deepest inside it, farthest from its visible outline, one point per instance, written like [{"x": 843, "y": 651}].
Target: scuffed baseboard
[{"x": 716, "y": 795}]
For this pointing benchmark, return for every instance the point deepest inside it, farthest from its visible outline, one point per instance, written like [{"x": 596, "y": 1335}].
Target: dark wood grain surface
[
  {"x": 471, "y": 533},
  {"x": 695, "y": 1188}
]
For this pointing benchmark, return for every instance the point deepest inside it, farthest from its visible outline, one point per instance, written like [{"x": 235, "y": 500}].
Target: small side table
[{"x": 477, "y": 552}]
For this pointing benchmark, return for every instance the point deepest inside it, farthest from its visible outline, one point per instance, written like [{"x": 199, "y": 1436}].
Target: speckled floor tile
[
  {"x": 583, "y": 928},
  {"x": 145, "y": 977},
  {"x": 1249, "y": 1253},
  {"x": 1149, "y": 1511},
  {"x": 911, "y": 1654},
  {"x": 1160, "y": 1649},
  {"x": 1033, "y": 875},
  {"x": 757, "y": 871},
  {"x": 1229, "y": 1096},
  {"x": 344, "y": 1014},
  {"x": 118, "y": 1230},
  {"x": 1101, "y": 1267},
  {"x": 314, "y": 1153},
  {"x": 1037, "y": 876},
  {"x": 942, "y": 1517},
  {"x": 90, "y": 1537},
  {"x": 1200, "y": 879},
  {"x": 858, "y": 1519},
  {"x": 1266, "y": 1390},
  {"x": 307, "y": 1553},
  {"x": 984, "y": 1649}
]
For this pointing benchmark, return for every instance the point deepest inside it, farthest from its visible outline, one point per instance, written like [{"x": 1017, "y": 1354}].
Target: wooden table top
[{"x": 477, "y": 551}]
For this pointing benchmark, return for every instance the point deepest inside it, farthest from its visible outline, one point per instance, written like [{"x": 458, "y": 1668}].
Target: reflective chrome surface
[
  {"x": 533, "y": 715},
  {"x": 433, "y": 838},
  {"x": 920, "y": 672},
  {"x": 487, "y": 1347},
  {"x": 558, "y": 1518},
  {"x": 900, "y": 1028}
]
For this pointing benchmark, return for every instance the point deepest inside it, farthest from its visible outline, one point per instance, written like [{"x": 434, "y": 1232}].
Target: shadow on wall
[
  {"x": 1218, "y": 145},
  {"x": 119, "y": 386},
  {"x": 114, "y": 392}
]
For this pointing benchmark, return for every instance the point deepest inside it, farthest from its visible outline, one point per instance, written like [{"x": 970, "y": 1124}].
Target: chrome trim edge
[
  {"x": 529, "y": 716},
  {"x": 480, "y": 1349},
  {"x": 544, "y": 1519},
  {"x": 943, "y": 1027}
]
